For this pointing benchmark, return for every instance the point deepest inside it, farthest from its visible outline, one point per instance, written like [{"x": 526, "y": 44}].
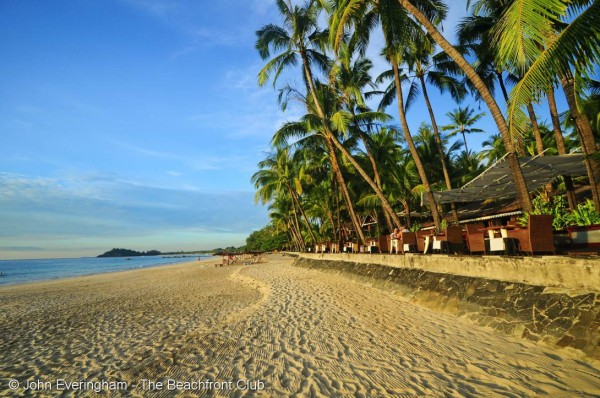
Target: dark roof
[{"x": 496, "y": 182}]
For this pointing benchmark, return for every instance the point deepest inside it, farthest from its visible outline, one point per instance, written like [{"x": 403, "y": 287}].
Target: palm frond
[
  {"x": 522, "y": 31},
  {"x": 577, "y": 45}
]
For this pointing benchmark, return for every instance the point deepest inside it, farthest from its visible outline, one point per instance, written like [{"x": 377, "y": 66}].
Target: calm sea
[{"x": 20, "y": 271}]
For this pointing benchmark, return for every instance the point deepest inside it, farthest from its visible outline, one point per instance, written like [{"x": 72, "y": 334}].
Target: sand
[{"x": 266, "y": 329}]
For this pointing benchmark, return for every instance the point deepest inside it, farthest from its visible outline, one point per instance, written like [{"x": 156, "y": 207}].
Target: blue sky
[{"x": 136, "y": 123}]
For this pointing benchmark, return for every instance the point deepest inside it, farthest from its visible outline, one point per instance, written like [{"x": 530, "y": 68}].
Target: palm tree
[
  {"x": 534, "y": 39},
  {"x": 311, "y": 130},
  {"x": 298, "y": 40},
  {"x": 277, "y": 175},
  {"x": 477, "y": 33},
  {"x": 486, "y": 96},
  {"x": 493, "y": 149},
  {"x": 466, "y": 167},
  {"x": 398, "y": 30},
  {"x": 433, "y": 70},
  {"x": 427, "y": 147},
  {"x": 461, "y": 122},
  {"x": 351, "y": 78}
]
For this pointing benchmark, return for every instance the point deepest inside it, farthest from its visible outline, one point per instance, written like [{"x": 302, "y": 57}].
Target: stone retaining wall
[{"x": 555, "y": 315}]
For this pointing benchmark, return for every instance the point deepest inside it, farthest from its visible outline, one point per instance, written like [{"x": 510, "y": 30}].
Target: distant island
[{"x": 129, "y": 253}]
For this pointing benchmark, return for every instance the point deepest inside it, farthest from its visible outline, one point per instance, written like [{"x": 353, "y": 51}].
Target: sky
[{"x": 138, "y": 124}]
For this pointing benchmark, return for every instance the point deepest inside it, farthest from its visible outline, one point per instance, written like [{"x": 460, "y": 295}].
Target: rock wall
[{"x": 557, "y": 316}]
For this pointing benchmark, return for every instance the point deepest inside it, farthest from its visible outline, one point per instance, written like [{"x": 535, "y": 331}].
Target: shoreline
[{"x": 61, "y": 278}]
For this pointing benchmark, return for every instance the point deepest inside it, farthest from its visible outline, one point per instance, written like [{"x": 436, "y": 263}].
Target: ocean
[{"x": 22, "y": 271}]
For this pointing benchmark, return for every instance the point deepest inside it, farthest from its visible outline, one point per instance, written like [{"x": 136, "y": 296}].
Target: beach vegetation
[
  {"x": 351, "y": 154},
  {"x": 129, "y": 253}
]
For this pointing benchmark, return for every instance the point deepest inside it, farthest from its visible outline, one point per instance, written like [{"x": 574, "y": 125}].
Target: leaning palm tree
[
  {"x": 433, "y": 70},
  {"x": 551, "y": 43},
  {"x": 301, "y": 38},
  {"x": 351, "y": 76},
  {"x": 311, "y": 131},
  {"x": 398, "y": 31},
  {"x": 461, "y": 122},
  {"x": 486, "y": 96},
  {"x": 477, "y": 33},
  {"x": 277, "y": 174}
]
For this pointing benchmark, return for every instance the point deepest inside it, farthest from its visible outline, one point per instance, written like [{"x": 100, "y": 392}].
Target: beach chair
[
  {"x": 408, "y": 242},
  {"x": 451, "y": 241},
  {"x": 382, "y": 242},
  {"x": 372, "y": 246},
  {"x": 421, "y": 240},
  {"x": 475, "y": 238},
  {"x": 537, "y": 237},
  {"x": 334, "y": 247}
]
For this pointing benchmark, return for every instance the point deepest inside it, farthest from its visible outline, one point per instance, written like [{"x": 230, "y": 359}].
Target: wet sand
[{"x": 266, "y": 329}]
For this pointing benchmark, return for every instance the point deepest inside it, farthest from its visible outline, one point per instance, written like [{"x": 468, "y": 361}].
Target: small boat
[{"x": 2, "y": 275}]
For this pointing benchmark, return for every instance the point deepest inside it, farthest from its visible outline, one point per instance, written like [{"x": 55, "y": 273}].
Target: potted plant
[{"x": 584, "y": 229}]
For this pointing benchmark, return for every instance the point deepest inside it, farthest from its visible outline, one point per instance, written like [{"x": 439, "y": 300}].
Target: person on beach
[{"x": 395, "y": 237}]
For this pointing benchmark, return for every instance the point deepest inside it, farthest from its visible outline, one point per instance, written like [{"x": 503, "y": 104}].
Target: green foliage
[
  {"x": 266, "y": 239},
  {"x": 557, "y": 208},
  {"x": 415, "y": 227},
  {"x": 584, "y": 214},
  {"x": 129, "y": 253},
  {"x": 443, "y": 225}
]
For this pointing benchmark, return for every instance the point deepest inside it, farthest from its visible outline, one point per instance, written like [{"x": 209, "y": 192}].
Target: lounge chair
[
  {"x": 475, "y": 238},
  {"x": 382, "y": 242},
  {"x": 453, "y": 238},
  {"x": 537, "y": 237},
  {"x": 408, "y": 242},
  {"x": 421, "y": 239}
]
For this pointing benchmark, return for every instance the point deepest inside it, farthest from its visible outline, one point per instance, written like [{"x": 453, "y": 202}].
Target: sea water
[{"x": 21, "y": 271}]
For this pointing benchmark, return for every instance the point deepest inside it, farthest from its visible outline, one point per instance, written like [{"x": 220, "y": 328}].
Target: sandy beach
[{"x": 267, "y": 329}]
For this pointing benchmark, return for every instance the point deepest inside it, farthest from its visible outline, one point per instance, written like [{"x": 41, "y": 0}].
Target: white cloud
[{"x": 36, "y": 207}]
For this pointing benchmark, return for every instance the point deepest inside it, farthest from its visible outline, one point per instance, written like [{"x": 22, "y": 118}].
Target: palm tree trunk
[
  {"x": 438, "y": 143},
  {"x": 502, "y": 85},
  {"x": 384, "y": 202},
  {"x": 465, "y": 141},
  {"x": 588, "y": 143},
  {"x": 297, "y": 226},
  {"x": 296, "y": 241},
  {"x": 513, "y": 161},
  {"x": 560, "y": 145},
  {"x": 299, "y": 204},
  {"x": 338, "y": 173},
  {"x": 412, "y": 147},
  {"x": 539, "y": 143},
  {"x": 376, "y": 176}
]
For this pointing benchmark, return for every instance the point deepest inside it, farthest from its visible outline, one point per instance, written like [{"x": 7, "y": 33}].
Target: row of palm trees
[{"x": 342, "y": 158}]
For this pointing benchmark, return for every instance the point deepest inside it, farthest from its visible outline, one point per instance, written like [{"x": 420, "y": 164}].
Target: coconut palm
[
  {"x": 477, "y": 32},
  {"x": 398, "y": 30},
  {"x": 351, "y": 77},
  {"x": 300, "y": 38},
  {"x": 461, "y": 122},
  {"x": 552, "y": 43},
  {"x": 427, "y": 147},
  {"x": 278, "y": 174},
  {"x": 425, "y": 68},
  {"x": 486, "y": 96},
  {"x": 466, "y": 167},
  {"x": 493, "y": 149},
  {"x": 312, "y": 130}
]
